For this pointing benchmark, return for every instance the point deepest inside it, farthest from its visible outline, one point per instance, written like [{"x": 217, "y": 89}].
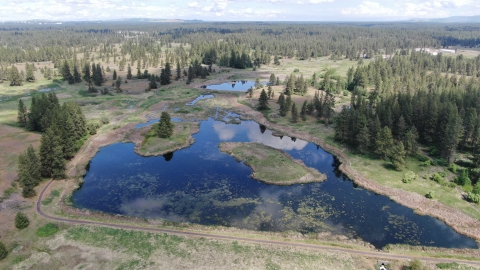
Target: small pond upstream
[
  {"x": 233, "y": 86},
  {"x": 202, "y": 185}
]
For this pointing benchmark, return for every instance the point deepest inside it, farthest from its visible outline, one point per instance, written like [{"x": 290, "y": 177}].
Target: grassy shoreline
[{"x": 272, "y": 166}]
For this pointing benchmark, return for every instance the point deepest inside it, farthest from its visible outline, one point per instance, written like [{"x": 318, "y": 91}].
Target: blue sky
[{"x": 239, "y": 10}]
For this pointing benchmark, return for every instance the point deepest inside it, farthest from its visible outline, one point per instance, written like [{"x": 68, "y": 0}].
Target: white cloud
[
  {"x": 319, "y": 1},
  {"x": 193, "y": 4},
  {"x": 370, "y": 8}
]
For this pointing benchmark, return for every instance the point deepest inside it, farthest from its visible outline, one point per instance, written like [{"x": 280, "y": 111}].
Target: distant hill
[
  {"x": 125, "y": 20},
  {"x": 453, "y": 19}
]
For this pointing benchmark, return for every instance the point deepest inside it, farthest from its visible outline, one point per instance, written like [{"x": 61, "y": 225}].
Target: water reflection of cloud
[
  {"x": 148, "y": 207},
  {"x": 286, "y": 143},
  {"x": 224, "y": 131}
]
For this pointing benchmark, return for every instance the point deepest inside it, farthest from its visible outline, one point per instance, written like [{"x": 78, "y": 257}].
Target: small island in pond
[
  {"x": 152, "y": 145},
  {"x": 270, "y": 165}
]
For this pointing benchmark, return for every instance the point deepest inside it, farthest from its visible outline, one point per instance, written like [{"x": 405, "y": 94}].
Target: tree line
[{"x": 62, "y": 127}]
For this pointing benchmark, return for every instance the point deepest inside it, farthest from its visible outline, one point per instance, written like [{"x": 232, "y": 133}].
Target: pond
[
  {"x": 202, "y": 185},
  {"x": 233, "y": 86}
]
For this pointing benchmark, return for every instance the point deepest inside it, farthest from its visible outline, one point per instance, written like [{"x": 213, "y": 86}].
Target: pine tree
[
  {"x": 129, "y": 72},
  {"x": 14, "y": 76},
  {"x": 303, "y": 112},
  {"x": 165, "y": 126},
  {"x": 168, "y": 74},
  {"x": 114, "y": 76},
  {"x": 21, "y": 221},
  {"x": 294, "y": 113},
  {"x": 66, "y": 74},
  {"x": 86, "y": 73},
  {"x": 288, "y": 103},
  {"x": 179, "y": 71},
  {"x": 410, "y": 141},
  {"x": 384, "y": 142},
  {"x": 272, "y": 79},
  {"x": 281, "y": 102},
  {"x": 22, "y": 114},
  {"x": 118, "y": 83},
  {"x": 363, "y": 140},
  {"x": 48, "y": 142},
  {"x": 263, "y": 101},
  {"x": 58, "y": 163},
  {"x": 29, "y": 76},
  {"x": 397, "y": 156},
  {"x": 76, "y": 75}
]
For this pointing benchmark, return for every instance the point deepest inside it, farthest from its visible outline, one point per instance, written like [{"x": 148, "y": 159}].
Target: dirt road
[{"x": 370, "y": 254}]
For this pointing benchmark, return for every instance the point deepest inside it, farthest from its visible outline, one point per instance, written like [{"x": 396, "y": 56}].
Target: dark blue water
[
  {"x": 202, "y": 185},
  {"x": 233, "y": 86}
]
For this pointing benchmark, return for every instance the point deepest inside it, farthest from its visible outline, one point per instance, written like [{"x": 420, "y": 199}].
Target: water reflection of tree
[
  {"x": 168, "y": 156},
  {"x": 262, "y": 128}
]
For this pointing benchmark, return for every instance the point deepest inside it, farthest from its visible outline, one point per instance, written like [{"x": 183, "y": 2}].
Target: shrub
[
  {"x": 3, "y": 251},
  {"x": 48, "y": 229},
  {"x": 463, "y": 179},
  {"x": 426, "y": 163},
  {"x": 416, "y": 264},
  {"x": 28, "y": 192},
  {"x": 409, "y": 177},
  {"x": 441, "y": 162},
  {"x": 104, "y": 120},
  {"x": 437, "y": 178},
  {"x": 453, "y": 265},
  {"x": 296, "y": 70},
  {"x": 471, "y": 197},
  {"x": 429, "y": 195},
  {"x": 422, "y": 158},
  {"x": 453, "y": 168},
  {"x": 442, "y": 174},
  {"x": 21, "y": 221},
  {"x": 476, "y": 188}
]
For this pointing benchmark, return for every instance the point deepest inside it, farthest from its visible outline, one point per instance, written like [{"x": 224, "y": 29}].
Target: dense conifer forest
[{"x": 405, "y": 98}]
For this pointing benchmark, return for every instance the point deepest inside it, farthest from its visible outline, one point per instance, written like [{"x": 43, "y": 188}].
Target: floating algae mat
[{"x": 202, "y": 185}]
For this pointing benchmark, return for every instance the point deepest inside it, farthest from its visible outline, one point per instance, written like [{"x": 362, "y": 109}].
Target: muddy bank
[{"x": 255, "y": 156}]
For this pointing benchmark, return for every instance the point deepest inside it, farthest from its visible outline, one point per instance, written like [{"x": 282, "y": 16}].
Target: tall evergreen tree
[
  {"x": 384, "y": 142},
  {"x": 165, "y": 126},
  {"x": 303, "y": 112},
  {"x": 294, "y": 113},
  {"x": 58, "y": 163},
  {"x": 281, "y": 103},
  {"x": 129, "y": 72},
  {"x": 114, "y": 76},
  {"x": 76, "y": 74},
  {"x": 179, "y": 71},
  {"x": 14, "y": 76},
  {"x": 397, "y": 156},
  {"x": 263, "y": 101},
  {"x": 48, "y": 142},
  {"x": 22, "y": 113},
  {"x": 363, "y": 139},
  {"x": 29, "y": 75}
]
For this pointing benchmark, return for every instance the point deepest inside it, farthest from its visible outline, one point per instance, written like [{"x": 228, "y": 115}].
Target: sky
[{"x": 238, "y": 10}]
